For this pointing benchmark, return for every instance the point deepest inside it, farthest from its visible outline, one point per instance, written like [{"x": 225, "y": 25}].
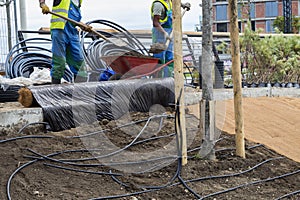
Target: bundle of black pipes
[
  {"x": 32, "y": 53},
  {"x": 22, "y": 59},
  {"x": 68, "y": 106},
  {"x": 9, "y": 93}
]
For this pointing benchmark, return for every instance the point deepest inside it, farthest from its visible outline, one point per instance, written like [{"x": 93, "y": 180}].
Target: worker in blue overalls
[{"x": 66, "y": 46}]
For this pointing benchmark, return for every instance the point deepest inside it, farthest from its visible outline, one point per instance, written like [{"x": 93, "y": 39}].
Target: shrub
[{"x": 274, "y": 58}]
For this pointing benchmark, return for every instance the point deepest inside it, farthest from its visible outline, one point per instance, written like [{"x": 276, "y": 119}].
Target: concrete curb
[{"x": 225, "y": 94}]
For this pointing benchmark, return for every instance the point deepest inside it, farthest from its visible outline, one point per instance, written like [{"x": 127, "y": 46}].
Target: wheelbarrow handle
[
  {"x": 118, "y": 43},
  {"x": 78, "y": 24}
]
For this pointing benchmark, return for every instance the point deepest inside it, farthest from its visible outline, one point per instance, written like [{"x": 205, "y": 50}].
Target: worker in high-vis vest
[
  {"x": 161, "y": 14},
  {"x": 66, "y": 46}
]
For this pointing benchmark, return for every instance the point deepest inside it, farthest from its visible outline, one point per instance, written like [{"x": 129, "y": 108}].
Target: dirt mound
[{"x": 62, "y": 165}]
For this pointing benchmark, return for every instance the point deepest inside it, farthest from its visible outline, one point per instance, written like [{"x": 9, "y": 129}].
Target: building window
[
  {"x": 240, "y": 10},
  {"x": 221, "y": 12},
  {"x": 252, "y": 10},
  {"x": 222, "y": 27},
  {"x": 240, "y": 26},
  {"x": 246, "y": 11},
  {"x": 253, "y": 25},
  {"x": 271, "y": 9},
  {"x": 269, "y": 26}
]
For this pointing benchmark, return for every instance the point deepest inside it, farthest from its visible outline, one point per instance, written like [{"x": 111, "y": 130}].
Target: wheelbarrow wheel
[{"x": 115, "y": 77}]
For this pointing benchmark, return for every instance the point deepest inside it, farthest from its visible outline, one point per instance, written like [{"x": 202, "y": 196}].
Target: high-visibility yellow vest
[
  {"x": 166, "y": 5},
  {"x": 61, "y": 7}
]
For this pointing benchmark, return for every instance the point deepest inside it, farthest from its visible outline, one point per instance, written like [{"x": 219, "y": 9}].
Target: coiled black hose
[
  {"x": 123, "y": 33},
  {"x": 21, "y": 60},
  {"x": 98, "y": 47}
]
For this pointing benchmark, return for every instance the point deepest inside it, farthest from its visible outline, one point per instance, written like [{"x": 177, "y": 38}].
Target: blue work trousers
[
  {"x": 167, "y": 55},
  {"x": 66, "y": 48}
]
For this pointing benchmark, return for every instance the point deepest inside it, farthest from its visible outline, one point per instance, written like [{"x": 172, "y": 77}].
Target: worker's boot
[{"x": 55, "y": 81}]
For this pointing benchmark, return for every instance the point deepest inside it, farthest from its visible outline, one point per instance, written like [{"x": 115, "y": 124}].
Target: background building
[{"x": 261, "y": 13}]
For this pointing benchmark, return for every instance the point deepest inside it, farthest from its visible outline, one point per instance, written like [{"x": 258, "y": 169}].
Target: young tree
[{"x": 207, "y": 64}]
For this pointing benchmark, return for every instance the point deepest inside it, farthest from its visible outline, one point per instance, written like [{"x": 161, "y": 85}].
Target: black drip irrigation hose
[
  {"x": 183, "y": 182},
  {"x": 251, "y": 183},
  {"x": 25, "y": 137},
  {"x": 169, "y": 183},
  {"x": 145, "y": 189},
  {"x": 223, "y": 176},
  {"x": 34, "y": 123},
  {"x": 42, "y": 158},
  {"x": 194, "y": 180},
  {"x": 179, "y": 145},
  {"x": 124, "y": 195},
  {"x": 118, "y": 127},
  {"x": 62, "y": 161},
  {"x": 112, "y": 164},
  {"x": 223, "y": 149},
  {"x": 12, "y": 176},
  {"x": 17, "y": 170},
  {"x": 155, "y": 188},
  {"x": 154, "y": 138},
  {"x": 152, "y": 189},
  {"x": 177, "y": 175},
  {"x": 233, "y": 174},
  {"x": 289, "y": 195},
  {"x": 83, "y": 171},
  {"x": 174, "y": 158},
  {"x": 128, "y": 145}
]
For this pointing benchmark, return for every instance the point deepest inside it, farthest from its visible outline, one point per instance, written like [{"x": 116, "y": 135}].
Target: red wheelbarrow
[{"x": 130, "y": 67}]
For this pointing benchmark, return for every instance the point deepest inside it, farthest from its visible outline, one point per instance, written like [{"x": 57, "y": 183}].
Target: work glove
[
  {"x": 85, "y": 27},
  {"x": 45, "y": 8},
  {"x": 186, "y": 6}
]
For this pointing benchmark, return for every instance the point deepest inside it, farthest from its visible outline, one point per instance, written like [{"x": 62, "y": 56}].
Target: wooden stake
[
  {"x": 236, "y": 76},
  {"x": 179, "y": 77}
]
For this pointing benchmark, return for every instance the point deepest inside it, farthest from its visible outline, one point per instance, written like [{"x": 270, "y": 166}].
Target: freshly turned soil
[{"x": 41, "y": 180}]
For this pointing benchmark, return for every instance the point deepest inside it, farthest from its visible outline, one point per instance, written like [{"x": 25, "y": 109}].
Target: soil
[
  {"x": 272, "y": 121},
  {"x": 264, "y": 174}
]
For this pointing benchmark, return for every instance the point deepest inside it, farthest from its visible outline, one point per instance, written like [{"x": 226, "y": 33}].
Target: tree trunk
[
  {"x": 206, "y": 116},
  {"x": 237, "y": 81}
]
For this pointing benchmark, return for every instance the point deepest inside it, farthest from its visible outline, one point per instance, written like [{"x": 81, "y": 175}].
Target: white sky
[{"x": 131, "y": 14}]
